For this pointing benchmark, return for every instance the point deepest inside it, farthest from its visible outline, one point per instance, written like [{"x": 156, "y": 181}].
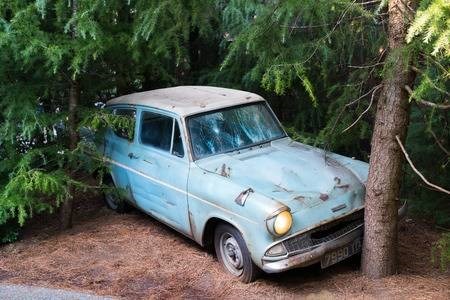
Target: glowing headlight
[
  {"x": 280, "y": 224},
  {"x": 283, "y": 222}
]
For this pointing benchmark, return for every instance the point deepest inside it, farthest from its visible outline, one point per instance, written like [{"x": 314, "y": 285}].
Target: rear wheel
[
  {"x": 113, "y": 200},
  {"x": 233, "y": 254}
]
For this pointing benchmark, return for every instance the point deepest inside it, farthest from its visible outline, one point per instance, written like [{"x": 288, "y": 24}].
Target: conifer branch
[
  {"x": 369, "y": 2},
  {"x": 438, "y": 142},
  {"x": 324, "y": 38},
  {"x": 417, "y": 171},
  {"x": 298, "y": 27},
  {"x": 433, "y": 134},
  {"x": 367, "y": 66},
  {"x": 443, "y": 106},
  {"x": 365, "y": 111},
  {"x": 444, "y": 75}
]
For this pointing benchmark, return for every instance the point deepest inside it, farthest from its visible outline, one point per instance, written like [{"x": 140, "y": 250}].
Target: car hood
[{"x": 299, "y": 176}]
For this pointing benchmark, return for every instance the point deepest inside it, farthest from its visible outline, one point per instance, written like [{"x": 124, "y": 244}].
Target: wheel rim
[
  {"x": 112, "y": 200},
  {"x": 231, "y": 254}
]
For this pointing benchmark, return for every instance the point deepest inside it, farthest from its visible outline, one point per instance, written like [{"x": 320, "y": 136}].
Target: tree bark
[
  {"x": 66, "y": 208},
  {"x": 74, "y": 97},
  {"x": 379, "y": 257}
]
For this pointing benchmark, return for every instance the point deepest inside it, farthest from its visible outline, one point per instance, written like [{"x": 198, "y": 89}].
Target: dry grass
[{"x": 134, "y": 256}]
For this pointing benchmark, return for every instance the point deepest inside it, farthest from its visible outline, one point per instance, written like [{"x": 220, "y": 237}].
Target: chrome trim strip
[
  {"x": 174, "y": 188},
  {"x": 339, "y": 207},
  {"x": 143, "y": 175},
  {"x": 277, "y": 212}
]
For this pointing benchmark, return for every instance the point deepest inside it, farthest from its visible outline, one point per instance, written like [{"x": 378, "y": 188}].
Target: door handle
[{"x": 132, "y": 156}]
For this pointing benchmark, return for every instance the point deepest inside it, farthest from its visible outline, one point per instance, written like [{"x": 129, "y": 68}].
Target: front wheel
[{"x": 233, "y": 254}]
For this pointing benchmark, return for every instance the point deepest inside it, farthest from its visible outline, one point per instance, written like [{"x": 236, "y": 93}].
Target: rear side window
[
  {"x": 156, "y": 130},
  {"x": 125, "y": 128},
  {"x": 161, "y": 132}
]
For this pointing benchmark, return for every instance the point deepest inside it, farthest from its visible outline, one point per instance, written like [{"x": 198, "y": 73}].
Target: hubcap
[
  {"x": 112, "y": 200},
  {"x": 231, "y": 254}
]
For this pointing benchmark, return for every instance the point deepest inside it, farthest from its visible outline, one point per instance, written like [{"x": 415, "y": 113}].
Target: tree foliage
[
  {"x": 115, "y": 50},
  {"x": 433, "y": 25},
  {"x": 429, "y": 135}
]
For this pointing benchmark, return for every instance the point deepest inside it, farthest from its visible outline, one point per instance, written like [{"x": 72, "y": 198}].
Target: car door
[
  {"x": 158, "y": 156},
  {"x": 117, "y": 144}
]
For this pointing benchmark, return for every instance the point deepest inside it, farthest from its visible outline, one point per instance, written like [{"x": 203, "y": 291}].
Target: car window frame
[
  {"x": 175, "y": 121},
  {"x": 175, "y": 118}
]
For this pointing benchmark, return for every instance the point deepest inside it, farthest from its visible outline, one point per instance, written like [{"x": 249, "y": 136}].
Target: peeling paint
[
  {"x": 280, "y": 188},
  {"x": 192, "y": 224},
  {"x": 225, "y": 172},
  {"x": 324, "y": 197}
]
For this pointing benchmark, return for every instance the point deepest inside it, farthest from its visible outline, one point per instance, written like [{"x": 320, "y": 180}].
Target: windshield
[{"x": 232, "y": 129}]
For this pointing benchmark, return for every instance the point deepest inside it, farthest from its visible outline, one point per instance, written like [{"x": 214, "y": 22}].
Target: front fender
[{"x": 213, "y": 196}]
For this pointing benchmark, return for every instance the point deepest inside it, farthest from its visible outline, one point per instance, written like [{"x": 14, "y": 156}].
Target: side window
[
  {"x": 177, "y": 148},
  {"x": 156, "y": 130},
  {"x": 124, "y": 132}
]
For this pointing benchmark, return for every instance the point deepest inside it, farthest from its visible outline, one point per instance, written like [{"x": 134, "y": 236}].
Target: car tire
[
  {"x": 233, "y": 254},
  {"x": 113, "y": 200}
]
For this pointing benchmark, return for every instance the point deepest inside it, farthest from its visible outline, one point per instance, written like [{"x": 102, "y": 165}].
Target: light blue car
[{"x": 216, "y": 165}]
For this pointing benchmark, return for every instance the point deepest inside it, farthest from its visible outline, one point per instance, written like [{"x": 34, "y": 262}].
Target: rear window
[{"x": 125, "y": 133}]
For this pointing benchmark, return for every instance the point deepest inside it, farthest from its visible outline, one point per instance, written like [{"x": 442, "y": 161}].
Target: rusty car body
[{"x": 216, "y": 165}]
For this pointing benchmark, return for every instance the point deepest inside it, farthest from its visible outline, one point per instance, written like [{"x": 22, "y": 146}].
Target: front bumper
[
  {"x": 312, "y": 255},
  {"x": 304, "y": 252}
]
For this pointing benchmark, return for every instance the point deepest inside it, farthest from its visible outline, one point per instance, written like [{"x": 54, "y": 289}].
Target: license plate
[{"x": 339, "y": 254}]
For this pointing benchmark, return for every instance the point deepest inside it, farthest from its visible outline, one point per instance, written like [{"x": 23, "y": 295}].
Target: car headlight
[{"x": 280, "y": 223}]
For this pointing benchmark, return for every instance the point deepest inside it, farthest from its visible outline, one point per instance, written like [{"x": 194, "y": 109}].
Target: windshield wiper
[{"x": 253, "y": 145}]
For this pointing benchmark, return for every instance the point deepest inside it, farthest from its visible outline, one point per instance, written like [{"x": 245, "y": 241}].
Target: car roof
[{"x": 188, "y": 100}]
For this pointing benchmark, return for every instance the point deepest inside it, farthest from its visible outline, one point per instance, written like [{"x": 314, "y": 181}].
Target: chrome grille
[{"x": 324, "y": 233}]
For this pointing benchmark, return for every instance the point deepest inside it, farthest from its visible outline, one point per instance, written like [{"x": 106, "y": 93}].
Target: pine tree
[
  {"x": 386, "y": 158},
  {"x": 60, "y": 57},
  {"x": 335, "y": 55}
]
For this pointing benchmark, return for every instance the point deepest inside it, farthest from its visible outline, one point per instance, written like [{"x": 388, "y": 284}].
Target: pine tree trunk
[
  {"x": 66, "y": 208},
  {"x": 386, "y": 159}
]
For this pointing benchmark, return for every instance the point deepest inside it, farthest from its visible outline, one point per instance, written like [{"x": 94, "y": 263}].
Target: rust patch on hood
[
  {"x": 324, "y": 197},
  {"x": 342, "y": 186},
  {"x": 339, "y": 185},
  {"x": 225, "y": 172}
]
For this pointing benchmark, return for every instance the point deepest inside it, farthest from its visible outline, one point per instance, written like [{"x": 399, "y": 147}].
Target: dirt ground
[{"x": 135, "y": 257}]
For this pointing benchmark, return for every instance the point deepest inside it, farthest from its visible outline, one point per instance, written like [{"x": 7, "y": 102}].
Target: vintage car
[{"x": 216, "y": 165}]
